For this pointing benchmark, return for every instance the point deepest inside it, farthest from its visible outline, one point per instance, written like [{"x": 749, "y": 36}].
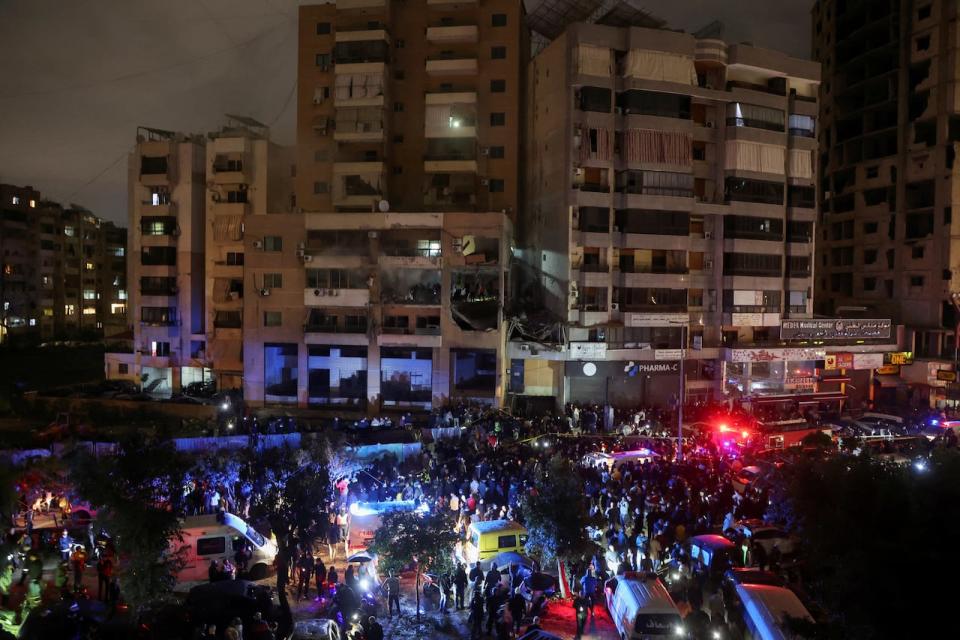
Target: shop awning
[{"x": 889, "y": 382}]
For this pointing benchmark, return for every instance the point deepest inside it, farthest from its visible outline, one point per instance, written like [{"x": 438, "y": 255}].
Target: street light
[{"x": 684, "y": 329}]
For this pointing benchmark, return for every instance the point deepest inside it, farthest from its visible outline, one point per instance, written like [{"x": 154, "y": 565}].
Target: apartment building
[
  {"x": 166, "y": 182},
  {"x": 888, "y": 133},
  {"x": 669, "y": 205},
  {"x": 408, "y": 182},
  {"x": 63, "y": 269}
]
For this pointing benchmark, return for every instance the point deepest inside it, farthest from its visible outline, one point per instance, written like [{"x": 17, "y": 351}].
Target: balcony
[
  {"x": 452, "y": 65},
  {"x": 466, "y": 33},
  {"x": 450, "y": 166},
  {"x": 167, "y": 208},
  {"x": 451, "y": 97},
  {"x": 362, "y": 131},
  {"x": 361, "y": 35},
  {"x": 154, "y": 171},
  {"x": 358, "y": 184},
  {"x": 446, "y": 2},
  {"x": 343, "y": 5},
  {"x": 336, "y": 297},
  {"x": 229, "y": 172}
]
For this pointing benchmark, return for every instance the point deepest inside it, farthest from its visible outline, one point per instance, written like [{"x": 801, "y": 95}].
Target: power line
[
  {"x": 286, "y": 103},
  {"x": 137, "y": 74},
  {"x": 96, "y": 177}
]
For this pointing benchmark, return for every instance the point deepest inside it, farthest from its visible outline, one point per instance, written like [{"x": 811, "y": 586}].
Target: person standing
[
  {"x": 476, "y": 579},
  {"x": 104, "y": 574},
  {"x": 374, "y": 629},
  {"x": 580, "y": 606},
  {"x": 79, "y": 560},
  {"x": 333, "y": 536},
  {"x": 460, "y": 585},
  {"x": 518, "y": 608},
  {"x": 476, "y": 614},
  {"x": 65, "y": 543},
  {"x": 343, "y": 523},
  {"x": 320, "y": 573},
  {"x": 304, "y": 573},
  {"x": 391, "y": 589}
]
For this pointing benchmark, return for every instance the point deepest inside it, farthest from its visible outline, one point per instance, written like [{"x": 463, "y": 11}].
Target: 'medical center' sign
[{"x": 836, "y": 329}]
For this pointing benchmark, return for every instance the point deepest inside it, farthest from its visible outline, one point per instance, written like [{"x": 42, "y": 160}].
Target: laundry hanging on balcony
[
  {"x": 647, "y": 146},
  {"x": 228, "y": 228}
]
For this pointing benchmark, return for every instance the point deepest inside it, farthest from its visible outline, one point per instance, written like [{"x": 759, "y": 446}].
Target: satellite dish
[
  {"x": 384, "y": 206},
  {"x": 589, "y": 369}
]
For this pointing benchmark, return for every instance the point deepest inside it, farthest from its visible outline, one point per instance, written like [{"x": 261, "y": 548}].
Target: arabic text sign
[{"x": 837, "y": 329}]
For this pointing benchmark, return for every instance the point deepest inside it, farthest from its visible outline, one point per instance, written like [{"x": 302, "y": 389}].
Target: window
[
  {"x": 923, "y": 13},
  {"x": 123, "y": 368},
  {"x": 272, "y": 318},
  {"x": 498, "y": 20},
  {"x": 869, "y": 256},
  {"x": 917, "y": 253},
  {"x": 498, "y": 119},
  {"x": 398, "y": 74},
  {"x": 322, "y": 60},
  {"x": 272, "y": 243},
  {"x": 320, "y": 187},
  {"x": 235, "y": 258},
  {"x": 159, "y": 349},
  {"x": 273, "y": 281},
  {"x": 873, "y": 172},
  {"x": 218, "y": 545},
  {"x": 498, "y": 86},
  {"x": 506, "y": 542},
  {"x": 89, "y": 294},
  {"x": 399, "y": 43},
  {"x": 870, "y": 227},
  {"x": 398, "y": 107},
  {"x": 16, "y": 200},
  {"x": 398, "y": 139},
  {"x": 397, "y": 170},
  {"x": 323, "y": 28},
  {"x": 869, "y": 284},
  {"x": 496, "y": 185},
  {"x": 916, "y": 281},
  {"x": 923, "y": 43},
  {"x": 496, "y": 152},
  {"x": 498, "y": 53}
]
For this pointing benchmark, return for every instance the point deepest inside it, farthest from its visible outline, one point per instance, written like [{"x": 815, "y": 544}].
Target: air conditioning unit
[
  {"x": 708, "y": 235},
  {"x": 307, "y": 258},
  {"x": 258, "y": 244},
  {"x": 264, "y": 292},
  {"x": 318, "y": 292},
  {"x": 485, "y": 151},
  {"x": 614, "y": 306},
  {"x": 708, "y": 265},
  {"x": 484, "y": 182}
]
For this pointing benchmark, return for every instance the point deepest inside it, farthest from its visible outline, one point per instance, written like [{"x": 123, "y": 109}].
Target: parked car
[
  {"x": 767, "y": 536},
  {"x": 742, "y": 479}
]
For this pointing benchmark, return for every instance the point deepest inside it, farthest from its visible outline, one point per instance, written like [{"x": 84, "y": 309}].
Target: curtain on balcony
[
  {"x": 228, "y": 228},
  {"x": 594, "y": 61},
  {"x": 225, "y": 354},
  {"x": 646, "y": 146},
  {"x": 800, "y": 163},
  {"x": 437, "y": 116},
  {"x": 659, "y": 65},
  {"x": 755, "y": 156},
  {"x": 358, "y": 85},
  {"x": 595, "y": 144}
]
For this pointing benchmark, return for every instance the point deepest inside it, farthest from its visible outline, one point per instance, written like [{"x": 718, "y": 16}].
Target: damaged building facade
[{"x": 669, "y": 213}]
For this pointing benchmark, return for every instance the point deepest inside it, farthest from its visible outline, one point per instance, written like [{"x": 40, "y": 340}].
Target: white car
[
  {"x": 742, "y": 479},
  {"x": 768, "y": 536}
]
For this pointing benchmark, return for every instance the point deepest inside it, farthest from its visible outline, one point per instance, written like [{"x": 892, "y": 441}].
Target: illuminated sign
[
  {"x": 838, "y": 329},
  {"x": 946, "y": 376},
  {"x": 888, "y": 370},
  {"x": 898, "y": 358}
]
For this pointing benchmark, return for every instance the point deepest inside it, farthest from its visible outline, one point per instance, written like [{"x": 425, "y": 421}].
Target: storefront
[{"x": 622, "y": 383}]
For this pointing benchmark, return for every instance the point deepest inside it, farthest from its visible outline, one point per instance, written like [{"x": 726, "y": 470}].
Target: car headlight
[{"x": 679, "y": 631}]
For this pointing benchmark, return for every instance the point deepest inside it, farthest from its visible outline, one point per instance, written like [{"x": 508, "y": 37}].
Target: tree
[
  {"x": 139, "y": 495},
  {"x": 556, "y": 514},
  {"x": 290, "y": 490},
  {"x": 877, "y": 539},
  {"x": 425, "y": 541}
]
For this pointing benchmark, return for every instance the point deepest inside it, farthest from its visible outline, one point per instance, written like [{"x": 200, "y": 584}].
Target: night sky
[{"x": 78, "y": 76}]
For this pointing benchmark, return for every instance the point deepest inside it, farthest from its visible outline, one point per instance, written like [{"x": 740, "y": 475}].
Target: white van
[
  {"x": 210, "y": 537},
  {"x": 641, "y": 607},
  {"x": 761, "y": 610}
]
